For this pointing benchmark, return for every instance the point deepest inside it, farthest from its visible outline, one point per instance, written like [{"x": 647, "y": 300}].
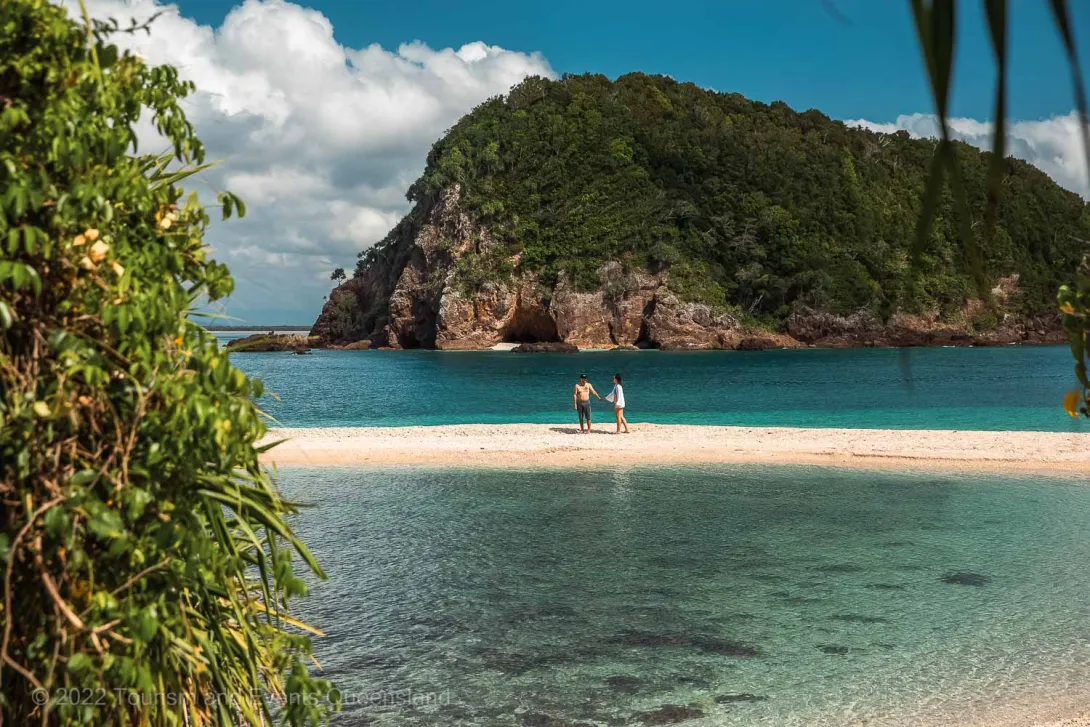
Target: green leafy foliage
[
  {"x": 748, "y": 205},
  {"x": 1074, "y": 303},
  {"x": 936, "y": 30},
  {"x": 146, "y": 556},
  {"x": 346, "y": 316}
]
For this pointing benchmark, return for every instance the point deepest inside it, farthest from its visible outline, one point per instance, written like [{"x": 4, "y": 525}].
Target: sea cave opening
[{"x": 531, "y": 325}]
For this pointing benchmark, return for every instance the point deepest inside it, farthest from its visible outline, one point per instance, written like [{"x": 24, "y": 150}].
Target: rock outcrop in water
[
  {"x": 966, "y": 579},
  {"x": 549, "y": 347},
  {"x": 669, "y": 714},
  {"x": 269, "y": 342}
]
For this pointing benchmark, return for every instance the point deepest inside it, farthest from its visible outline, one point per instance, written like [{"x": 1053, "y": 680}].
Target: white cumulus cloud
[
  {"x": 319, "y": 139},
  {"x": 1053, "y": 145}
]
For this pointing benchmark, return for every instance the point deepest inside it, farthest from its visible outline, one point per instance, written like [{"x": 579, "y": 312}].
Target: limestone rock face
[
  {"x": 828, "y": 330},
  {"x": 904, "y": 329},
  {"x": 433, "y": 282},
  {"x": 362, "y": 345},
  {"x": 765, "y": 340},
  {"x": 412, "y": 316},
  {"x": 676, "y": 326},
  {"x": 497, "y": 312},
  {"x": 474, "y": 322},
  {"x": 628, "y": 323},
  {"x": 614, "y": 315},
  {"x": 1045, "y": 330},
  {"x": 416, "y": 299},
  {"x": 580, "y": 318},
  {"x": 973, "y": 326}
]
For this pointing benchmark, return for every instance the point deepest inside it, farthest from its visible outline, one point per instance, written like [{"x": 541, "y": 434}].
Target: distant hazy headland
[{"x": 257, "y": 328}]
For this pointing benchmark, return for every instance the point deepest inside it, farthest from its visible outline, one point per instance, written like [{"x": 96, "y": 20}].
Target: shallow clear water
[
  {"x": 756, "y": 595},
  {"x": 933, "y": 388}
]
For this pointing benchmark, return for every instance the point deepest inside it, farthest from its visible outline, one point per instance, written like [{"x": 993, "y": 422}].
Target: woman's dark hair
[{"x": 618, "y": 377}]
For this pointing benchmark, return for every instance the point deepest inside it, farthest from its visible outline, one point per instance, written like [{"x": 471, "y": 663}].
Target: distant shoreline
[
  {"x": 521, "y": 446},
  {"x": 229, "y": 329},
  {"x": 506, "y": 347}
]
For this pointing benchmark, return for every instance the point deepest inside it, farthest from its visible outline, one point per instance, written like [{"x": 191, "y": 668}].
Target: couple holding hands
[{"x": 582, "y": 393}]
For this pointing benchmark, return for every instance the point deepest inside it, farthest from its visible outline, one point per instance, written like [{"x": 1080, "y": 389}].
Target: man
[{"x": 583, "y": 390}]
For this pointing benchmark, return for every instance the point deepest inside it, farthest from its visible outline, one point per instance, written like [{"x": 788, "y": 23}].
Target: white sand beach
[
  {"x": 1082, "y": 720},
  {"x": 561, "y": 445}
]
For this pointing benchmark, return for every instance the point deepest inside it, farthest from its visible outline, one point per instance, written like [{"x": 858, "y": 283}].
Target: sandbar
[{"x": 520, "y": 446}]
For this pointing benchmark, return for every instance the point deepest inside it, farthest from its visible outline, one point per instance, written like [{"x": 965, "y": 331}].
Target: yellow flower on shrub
[
  {"x": 1072, "y": 401},
  {"x": 98, "y": 251}
]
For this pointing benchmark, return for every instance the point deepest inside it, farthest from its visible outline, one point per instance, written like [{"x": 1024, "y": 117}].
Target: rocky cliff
[
  {"x": 415, "y": 291},
  {"x": 642, "y": 211}
]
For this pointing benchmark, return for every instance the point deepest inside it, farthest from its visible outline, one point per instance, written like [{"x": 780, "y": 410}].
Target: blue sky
[
  {"x": 322, "y": 112},
  {"x": 848, "y": 58}
]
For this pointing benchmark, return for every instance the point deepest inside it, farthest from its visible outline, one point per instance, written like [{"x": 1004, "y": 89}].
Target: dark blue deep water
[{"x": 932, "y": 388}]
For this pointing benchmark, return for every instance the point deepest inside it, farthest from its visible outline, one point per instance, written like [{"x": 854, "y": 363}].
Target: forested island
[{"x": 647, "y": 212}]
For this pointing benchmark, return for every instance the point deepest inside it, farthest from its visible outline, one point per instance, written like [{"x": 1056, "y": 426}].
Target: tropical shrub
[
  {"x": 1074, "y": 301},
  {"x": 146, "y": 556}
]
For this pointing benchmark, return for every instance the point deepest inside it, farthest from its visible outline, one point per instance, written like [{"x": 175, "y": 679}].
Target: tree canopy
[{"x": 743, "y": 204}]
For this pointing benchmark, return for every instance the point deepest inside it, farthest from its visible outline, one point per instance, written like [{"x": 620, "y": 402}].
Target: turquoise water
[
  {"x": 933, "y": 388},
  {"x": 746, "y": 595}
]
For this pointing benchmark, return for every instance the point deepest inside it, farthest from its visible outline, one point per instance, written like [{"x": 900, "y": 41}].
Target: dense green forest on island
[{"x": 746, "y": 205}]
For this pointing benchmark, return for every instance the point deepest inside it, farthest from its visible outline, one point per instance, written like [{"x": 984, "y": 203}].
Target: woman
[{"x": 617, "y": 397}]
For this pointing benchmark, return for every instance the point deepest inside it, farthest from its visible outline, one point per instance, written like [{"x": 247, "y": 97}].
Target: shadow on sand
[{"x": 575, "y": 430}]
